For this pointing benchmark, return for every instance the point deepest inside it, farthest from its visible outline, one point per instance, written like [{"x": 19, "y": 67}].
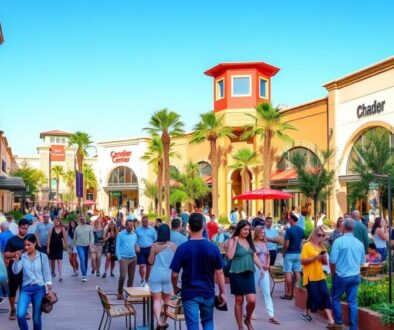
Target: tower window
[
  {"x": 241, "y": 86},
  {"x": 263, "y": 88},
  {"x": 219, "y": 89}
]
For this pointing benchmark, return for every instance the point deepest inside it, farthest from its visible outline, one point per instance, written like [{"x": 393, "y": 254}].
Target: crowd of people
[{"x": 190, "y": 256}]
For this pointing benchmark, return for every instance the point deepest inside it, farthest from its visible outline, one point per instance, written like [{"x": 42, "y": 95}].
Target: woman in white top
[{"x": 380, "y": 235}]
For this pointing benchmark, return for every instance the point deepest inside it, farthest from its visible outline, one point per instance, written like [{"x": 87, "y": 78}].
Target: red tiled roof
[
  {"x": 268, "y": 69},
  {"x": 54, "y": 133}
]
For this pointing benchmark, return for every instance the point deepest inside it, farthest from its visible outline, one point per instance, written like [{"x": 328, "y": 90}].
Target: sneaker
[
  {"x": 104, "y": 275},
  {"x": 142, "y": 283},
  {"x": 75, "y": 274},
  {"x": 53, "y": 275},
  {"x": 92, "y": 271},
  {"x": 84, "y": 279},
  {"x": 306, "y": 317},
  {"x": 112, "y": 274},
  {"x": 98, "y": 274}
]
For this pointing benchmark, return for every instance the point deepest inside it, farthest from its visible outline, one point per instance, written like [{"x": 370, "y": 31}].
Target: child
[{"x": 373, "y": 257}]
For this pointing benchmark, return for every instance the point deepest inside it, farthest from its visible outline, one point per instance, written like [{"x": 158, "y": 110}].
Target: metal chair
[
  {"x": 113, "y": 310},
  {"x": 277, "y": 276},
  {"x": 374, "y": 272},
  {"x": 174, "y": 311}
]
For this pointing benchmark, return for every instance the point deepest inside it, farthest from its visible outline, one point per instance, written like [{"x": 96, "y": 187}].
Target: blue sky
[{"x": 104, "y": 67}]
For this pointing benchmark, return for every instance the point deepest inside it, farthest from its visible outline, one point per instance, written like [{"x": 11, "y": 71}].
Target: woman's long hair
[
  {"x": 376, "y": 225},
  {"x": 314, "y": 233},
  {"x": 163, "y": 233},
  {"x": 72, "y": 230},
  {"x": 257, "y": 232},
  {"x": 114, "y": 230},
  {"x": 241, "y": 224}
]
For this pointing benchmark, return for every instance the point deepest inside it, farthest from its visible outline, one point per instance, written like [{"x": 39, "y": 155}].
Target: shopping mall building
[{"x": 355, "y": 104}]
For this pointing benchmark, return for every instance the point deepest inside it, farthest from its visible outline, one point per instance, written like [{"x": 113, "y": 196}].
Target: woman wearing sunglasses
[{"x": 313, "y": 257}]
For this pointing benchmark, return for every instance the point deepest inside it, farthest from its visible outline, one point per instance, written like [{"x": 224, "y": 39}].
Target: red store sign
[{"x": 120, "y": 157}]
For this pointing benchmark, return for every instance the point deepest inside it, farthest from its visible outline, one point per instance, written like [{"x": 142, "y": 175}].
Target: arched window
[
  {"x": 311, "y": 159},
  {"x": 174, "y": 172},
  {"x": 204, "y": 169},
  {"x": 122, "y": 176},
  {"x": 363, "y": 142}
]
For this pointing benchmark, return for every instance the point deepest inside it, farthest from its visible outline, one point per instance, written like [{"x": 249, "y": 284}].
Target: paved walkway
[{"x": 79, "y": 308}]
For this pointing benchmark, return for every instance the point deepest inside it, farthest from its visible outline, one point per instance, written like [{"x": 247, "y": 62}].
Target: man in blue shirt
[
  {"x": 272, "y": 237},
  {"x": 184, "y": 218},
  {"x": 292, "y": 255},
  {"x": 175, "y": 236},
  {"x": 42, "y": 231},
  {"x": 200, "y": 262},
  {"x": 146, "y": 236},
  {"x": 126, "y": 249},
  {"x": 5, "y": 235},
  {"x": 347, "y": 256}
]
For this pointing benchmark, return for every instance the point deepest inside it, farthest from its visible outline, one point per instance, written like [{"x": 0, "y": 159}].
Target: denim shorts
[{"x": 292, "y": 262}]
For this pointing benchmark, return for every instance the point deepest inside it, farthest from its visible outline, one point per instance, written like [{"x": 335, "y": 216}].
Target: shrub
[
  {"x": 152, "y": 216},
  {"x": 223, "y": 220},
  {"x": 387, "y": 312},
  {"x": 308, "y": 227},
  {"x": 16, "y": 214},
  {"x": 71, "y": 216}
]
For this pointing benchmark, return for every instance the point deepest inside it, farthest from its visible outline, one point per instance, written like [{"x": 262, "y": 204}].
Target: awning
[
  {"x": 349, "y": 178},
  {"x": 12, "y": 183},
  {"x": 284, "y": 175}
]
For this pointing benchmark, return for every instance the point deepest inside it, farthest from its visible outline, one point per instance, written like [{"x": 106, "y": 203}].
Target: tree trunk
[
  {"x": 215, "y": 174},
  {"x": 267, "y": 161},
  {"x": 315, "y": 210},
  {"x": 166, "y": 140},
  {"x": 80, "y": 166},
  {"x": 160, "y": 186}
]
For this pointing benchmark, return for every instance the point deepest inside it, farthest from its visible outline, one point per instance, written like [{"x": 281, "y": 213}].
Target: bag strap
[{"x": 42, "y": 271}]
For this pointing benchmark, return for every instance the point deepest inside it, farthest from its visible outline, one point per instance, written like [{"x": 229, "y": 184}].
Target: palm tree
[
  {"x": 245, "y": 158},
  {"x": 69, "y": 178},
  {"x": 155, "y": 155},
  {"x": 166, "y": 124},
  {"x": 210, "y": 128},
  {"x": 57, "y": 174},
  {"x": 152, "y": 191},
  {"x": 83, "y": 142},
  {"x": 268, "y": 123}
]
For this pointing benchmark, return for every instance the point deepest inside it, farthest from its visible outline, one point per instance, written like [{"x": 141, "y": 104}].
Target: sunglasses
[{"x": 320, "y": 235}]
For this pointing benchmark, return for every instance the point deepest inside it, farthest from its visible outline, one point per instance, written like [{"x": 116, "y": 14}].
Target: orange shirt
[{"x": 314, "y": 270}]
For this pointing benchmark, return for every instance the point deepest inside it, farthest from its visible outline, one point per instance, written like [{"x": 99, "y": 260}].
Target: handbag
[
  {"x": 3, "y": 272},
  {"x": 48, "y": 300}
]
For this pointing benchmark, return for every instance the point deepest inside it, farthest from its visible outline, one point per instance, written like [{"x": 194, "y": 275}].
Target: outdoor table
[{"x": 144, "y": 293}]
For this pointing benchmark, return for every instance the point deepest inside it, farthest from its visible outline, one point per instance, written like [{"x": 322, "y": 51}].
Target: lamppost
[{"x": 387, "y": 178}]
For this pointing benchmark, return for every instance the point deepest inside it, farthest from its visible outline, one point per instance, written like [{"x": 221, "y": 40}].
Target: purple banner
[{"x": 79, "y": 183}]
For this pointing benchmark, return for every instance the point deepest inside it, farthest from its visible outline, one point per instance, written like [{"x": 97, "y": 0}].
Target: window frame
[
  {"x": 250, "y": 85},
  {"x": 266, "y": 87},
  {"x": 217, "y": 90}
]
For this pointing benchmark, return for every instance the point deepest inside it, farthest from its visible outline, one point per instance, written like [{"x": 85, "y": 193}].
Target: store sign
[
  {"x": 58, "y": 153},
  {"x": 370, "y": 110},
  {"x": 120, "y": 157}
]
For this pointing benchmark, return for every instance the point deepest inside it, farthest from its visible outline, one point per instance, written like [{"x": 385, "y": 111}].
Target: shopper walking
[
  {"x": 313, "y": 257},
  {"x": 263, "y": 278},
  {"x": 242, "y": 253},
  {"x": 347, "y": 255},
  {"x": 146, "y": 236},
  {"x": 37, "y": 280},
  {"x": 380, "y": 235},
  {"x": 176, "y": 236},
  {"x": 200, "y": 262},
  {"x": 96, "y": 249},
  {"x": 272, "y": 237},
  {"x": 57, "y": 241},
  {"x": 126, "y": 251},
  {"x": 42, "y": 231},
  {"x": 83, "y": 239},
  {"x": 72, "y": 250},
  {"x": 291, "y": 255},
  {"x": 110, "y": 234},
  {"x": 15, "y": 245},
  {"x": 161, "y": 255}
]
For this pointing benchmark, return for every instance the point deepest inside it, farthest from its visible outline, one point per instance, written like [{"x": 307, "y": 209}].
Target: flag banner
[{"x": 79, "y": 183}]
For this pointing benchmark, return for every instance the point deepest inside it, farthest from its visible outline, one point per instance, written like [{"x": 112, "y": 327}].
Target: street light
[{"x": 388, "y": 180}]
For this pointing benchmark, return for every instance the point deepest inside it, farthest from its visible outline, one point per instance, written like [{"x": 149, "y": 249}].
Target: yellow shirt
[{"x": 314, "y": 270}]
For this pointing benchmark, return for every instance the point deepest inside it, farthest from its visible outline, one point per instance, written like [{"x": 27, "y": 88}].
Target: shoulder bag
[{"x": 48, "y": 300}]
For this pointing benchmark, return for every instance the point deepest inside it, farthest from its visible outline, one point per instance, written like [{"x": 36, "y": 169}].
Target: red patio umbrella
[
  {"x": 264, "y": 193},
  {"x": 89, "y": 203}
]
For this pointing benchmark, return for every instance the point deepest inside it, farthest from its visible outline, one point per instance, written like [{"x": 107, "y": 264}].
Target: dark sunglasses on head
[{"x": 320, "y": 235}]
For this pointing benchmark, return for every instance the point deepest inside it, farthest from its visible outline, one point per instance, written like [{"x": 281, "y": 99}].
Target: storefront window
[
  {"x": 122, "y": 176},
  {"x": 205, "y": 169},
  {"x": 285, "y": 163}
]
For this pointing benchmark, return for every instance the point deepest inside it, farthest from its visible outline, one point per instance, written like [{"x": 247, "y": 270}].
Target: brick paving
[{"x": 79, "y": 308}]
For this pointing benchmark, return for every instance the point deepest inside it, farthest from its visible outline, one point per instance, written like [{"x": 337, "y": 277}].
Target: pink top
[{"x": 263, "y": 253}]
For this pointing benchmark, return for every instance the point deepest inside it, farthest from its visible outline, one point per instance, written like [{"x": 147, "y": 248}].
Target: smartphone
[{"x": 322, "y": 253}]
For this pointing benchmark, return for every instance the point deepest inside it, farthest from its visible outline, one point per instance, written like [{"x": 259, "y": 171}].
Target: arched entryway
[
  {"x": 122, "y": 188},
  {"x": 236, "y": 189}
]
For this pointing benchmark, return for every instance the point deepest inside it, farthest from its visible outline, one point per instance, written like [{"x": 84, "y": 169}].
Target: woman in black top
[{"x": 57, "y": 239}]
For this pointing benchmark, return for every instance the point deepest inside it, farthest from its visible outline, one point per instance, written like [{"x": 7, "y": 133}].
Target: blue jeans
[
  {"x": 83, "y": 252},
  {"x": 204, "y": 306},
  {"x": 350, "y": 285},
  {"x": 30, "y": 294}
]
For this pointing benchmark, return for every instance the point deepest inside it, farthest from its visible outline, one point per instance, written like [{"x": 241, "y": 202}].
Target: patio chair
[
  {"x": 113, "y": 310},
  {"x": 174, "y": 311},
  {"x": 374, "y": 272},
  {"x": 277, "y": 276}
]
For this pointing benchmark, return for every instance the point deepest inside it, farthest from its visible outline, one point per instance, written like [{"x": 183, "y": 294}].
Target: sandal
[
  {"x": 12, "y": 316},
  {"x": 248, "y": 324},
  {"x": 274, "y": 320},
  {"x": 286, "y": 297}
]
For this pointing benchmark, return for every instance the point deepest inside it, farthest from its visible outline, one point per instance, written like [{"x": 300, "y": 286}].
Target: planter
[{"x": 367, "y": 319}]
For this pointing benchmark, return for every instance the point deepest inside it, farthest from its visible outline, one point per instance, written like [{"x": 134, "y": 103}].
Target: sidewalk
[{"x": 79, "y": 308}]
